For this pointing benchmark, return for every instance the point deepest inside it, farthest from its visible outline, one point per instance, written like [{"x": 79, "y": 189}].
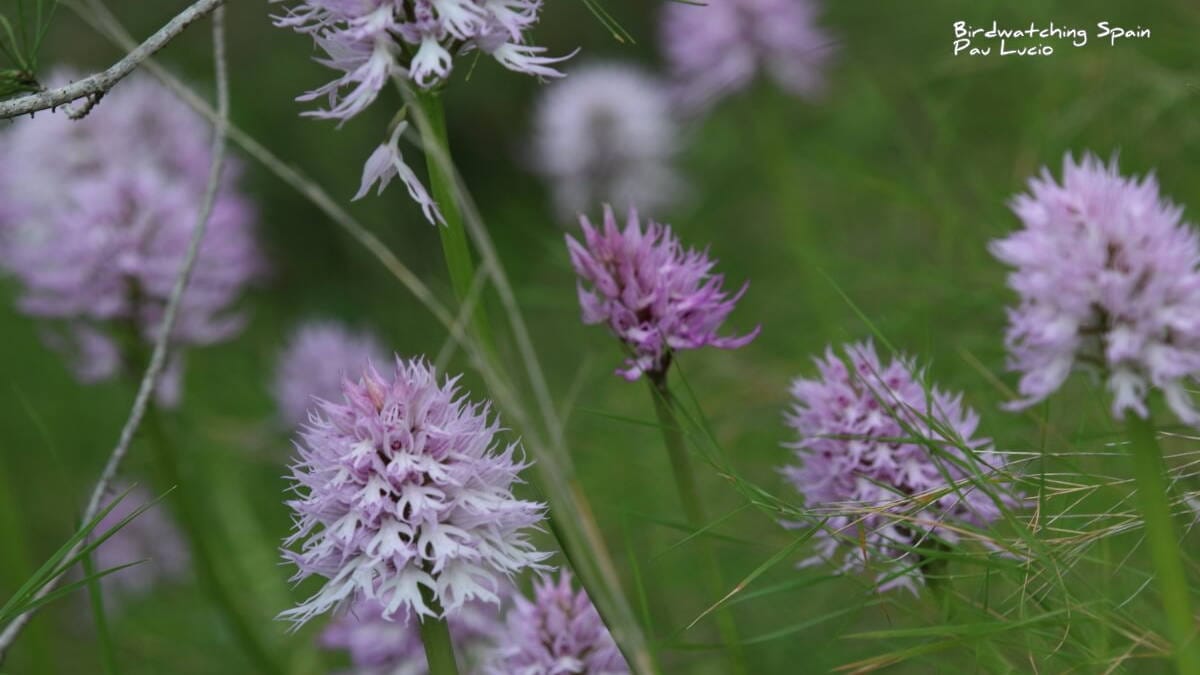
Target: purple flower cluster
[
  {"x": 1106, "y": 271},
  {"x": 606, "y": 135},
  {"x": 716, "y": 49},
  {"x": 96, "y": 222},
  {"x": 655, "y": 296},
  {"x": 865, "y": 431},
  {"x": 557, "y": 633},
  {"x": 402, "y": 486},
  {"x": 150, "y": 537},
  {"x": 315, "y": 361},
  {"x": 381, "y": 646}
]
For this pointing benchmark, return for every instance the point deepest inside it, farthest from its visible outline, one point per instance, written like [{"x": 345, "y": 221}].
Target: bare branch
[
  {"x": 95, "y": 86},
  {"x": 158, "y": 358}
]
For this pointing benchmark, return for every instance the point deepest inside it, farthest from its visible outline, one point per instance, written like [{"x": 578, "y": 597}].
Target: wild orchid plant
[
  {"x": 372, "y": 42},
  {"x": 1106, "y": 271},
  {"x": 658, "y": 299},
  {"x": 409, "y": 522}
]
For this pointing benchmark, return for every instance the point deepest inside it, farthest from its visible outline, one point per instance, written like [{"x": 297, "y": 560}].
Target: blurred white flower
[{"x": 605, "y": 135}]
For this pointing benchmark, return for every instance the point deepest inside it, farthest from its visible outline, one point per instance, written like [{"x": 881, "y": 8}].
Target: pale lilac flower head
[
  {"x": 653, "y": 294},
  {"x": 865, "y": 430},
  {"x": 1105, "y": 268},
  {"x": 607, "y": 135},
  {"x": 371, "y": 41},
  {"x": 151, "y": 537},
  {"x": 557, "y": 633},
  {"x": 716, "y": 49},
  {"x": 403, "y": 485},
  {"x": 314, "y": 363},
  {"x": 96, "y": 222},
  {"x": 379, "y": 646}
]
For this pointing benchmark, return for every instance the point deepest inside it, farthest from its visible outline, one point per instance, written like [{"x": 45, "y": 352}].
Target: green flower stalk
[
  {"x": 1162, "y": 537},
  {"x": 439, "y": 650},
  {"x": 658, "y": 298},
  {"x": 455, "y": 248},
  {"x": 693, "y": 510}
]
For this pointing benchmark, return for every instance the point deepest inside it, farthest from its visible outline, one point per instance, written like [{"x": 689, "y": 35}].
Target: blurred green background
[{"x": 887, "y": 191}]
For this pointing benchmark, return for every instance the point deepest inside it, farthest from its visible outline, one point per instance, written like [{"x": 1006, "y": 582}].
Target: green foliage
[
  {"x": 23, "y": 26},
  {"x": 28, "y": 598},
  {"x": 866, "y": 214}
]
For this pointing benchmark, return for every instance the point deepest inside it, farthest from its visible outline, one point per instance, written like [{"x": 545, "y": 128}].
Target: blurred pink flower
[
  {"x": 1106, "y": 272},
  {"x": 717, "y": 48},
  {"x": 97, "y": 218},
  {"x": 317, "y": 358}
]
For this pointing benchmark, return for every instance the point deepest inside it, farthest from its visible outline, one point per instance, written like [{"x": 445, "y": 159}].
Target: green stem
[
  {"x": 584, "y": 545},
  {"x": 455, "y": 248},
  {"x": 435, "y": 636},
  {"x": 934, "y": 570},
  {"x": 689, "y": 496},
  {"x": 1152, "y": 489},
  {"x": 203, "y": 557}
]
